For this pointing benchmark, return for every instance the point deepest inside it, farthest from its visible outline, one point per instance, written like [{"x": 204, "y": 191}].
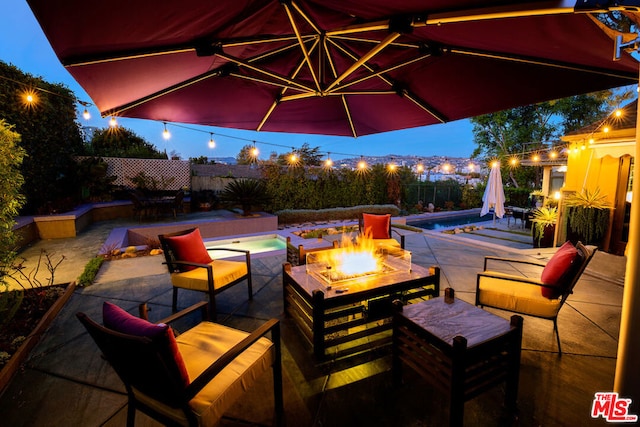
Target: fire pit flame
[{"x": 351, "y": 260}]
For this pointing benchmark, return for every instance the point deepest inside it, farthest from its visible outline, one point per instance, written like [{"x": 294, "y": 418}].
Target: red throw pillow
[
  {"x": 189, "y": 247},
  {"x": 556, "y": 268},
  {"x": 376, "y": 226},
  {"x": 113, "y": 317}
]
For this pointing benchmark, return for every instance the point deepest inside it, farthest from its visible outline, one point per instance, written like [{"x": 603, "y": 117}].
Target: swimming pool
[
  {"x": 254, "y": 244},
  {"x": 448, "y": 222}
]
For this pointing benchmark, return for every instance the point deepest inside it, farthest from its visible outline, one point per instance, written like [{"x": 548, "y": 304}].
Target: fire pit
[
  {"x": 337, "y": 267},
  {"x": 344, "y": 308}
]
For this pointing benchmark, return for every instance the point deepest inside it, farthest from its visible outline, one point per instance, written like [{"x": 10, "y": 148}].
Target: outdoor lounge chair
[
  {"x": 378, "y": 227},
  {"x": 191, "y": 267},
  {"x": 541, "y": 296},
  {"x": 190, "y": 380}
]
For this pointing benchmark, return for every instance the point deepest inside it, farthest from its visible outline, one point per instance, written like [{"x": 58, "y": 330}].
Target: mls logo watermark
[{"x": 612, "y": 408}]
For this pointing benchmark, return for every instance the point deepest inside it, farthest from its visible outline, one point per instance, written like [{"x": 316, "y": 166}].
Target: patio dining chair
[
  {"x": 191, "y": 267},
  {"x": 191, "y": 379},
  {"x": 542, "y": 296},
  {"x": 378, "y": 227}
]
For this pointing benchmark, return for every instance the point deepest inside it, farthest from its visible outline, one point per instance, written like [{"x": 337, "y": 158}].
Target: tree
[
  {"x": 245, "y": 156},
  {"x": 533, "y": 127},
  {"x": 202, "y": 160},
  {"x": 50, "y": 136},
  {"x": 307, "y": 156},
  {"x": 122, "y": 142},
  {"x": 11, "y": 200}
]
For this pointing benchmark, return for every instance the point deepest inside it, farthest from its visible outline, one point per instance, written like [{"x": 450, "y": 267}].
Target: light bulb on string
[
  {"x": 362, "y": 165},
  {"x": 165, "y": 133},
  {"x": 293, "y": 157},
  {"x": 420, "y": 167},
  {"x": 255, "y": 151},
  {"x": 535, "y": 158},
  {"x": 553, "y": 154},
  {"x": 113, "y": 123},
  {"x": 86, "y": 115},
  {"x": 212, "y": 143},
  {"x": 328, "y": 163},
  {"x": 513, "y": 162}
]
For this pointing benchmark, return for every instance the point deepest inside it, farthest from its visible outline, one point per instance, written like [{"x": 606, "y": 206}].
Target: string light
[
  {"x": 420, "y": 167},
  {"x": 328, "y": 163},
  {"x": 165, "y": 133},
  {"x": 86, "y": 115},
  {"x": 495, "y": 164},
  {"x": 553, "y": 154},
  {"x": 212, "y": 143},
  {"x": 362, "y": 165},
  {"x": 293, "y": 158},
  {"x": 254, "y": 151},
  {"x": 471, "y": 167},
  {"x": 446, "y": 167},
  {"x": 113, "y": 123},
  {"x": 513, "y": 162},
  {"x": 536, "y": 157}
]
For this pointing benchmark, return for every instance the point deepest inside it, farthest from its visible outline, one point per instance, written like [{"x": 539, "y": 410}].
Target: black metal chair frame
[
  {"x": 567, "y": 290},
  {"x": 175, "y": 265}
]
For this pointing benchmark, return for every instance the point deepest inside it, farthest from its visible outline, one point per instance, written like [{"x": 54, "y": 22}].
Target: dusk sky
[{"x": 23, "y": 44}]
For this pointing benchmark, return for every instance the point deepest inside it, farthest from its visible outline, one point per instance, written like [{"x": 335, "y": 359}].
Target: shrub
[
  {"x": 294, "y": 216},
  {"x": 90, "y": 271}
]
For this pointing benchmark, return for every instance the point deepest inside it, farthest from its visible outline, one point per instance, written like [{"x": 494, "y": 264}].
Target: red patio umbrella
[{"x": 347, "y": 67}]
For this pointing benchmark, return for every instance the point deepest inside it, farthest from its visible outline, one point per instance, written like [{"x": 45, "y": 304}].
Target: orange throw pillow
[
  {"x": 376, "y": 226},
  {"x": 556, "y": 268},
  {"x": 190, "y": 247}
]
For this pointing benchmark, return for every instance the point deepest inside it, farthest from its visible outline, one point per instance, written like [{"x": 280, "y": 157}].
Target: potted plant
[
  {"x": 587, "y": 217},
  {"x": 537, "y": 198},
  {"x": 544, "y": 226}
]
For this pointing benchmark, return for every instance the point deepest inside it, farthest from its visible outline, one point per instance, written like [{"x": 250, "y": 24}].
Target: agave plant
[
  {"x": 246, "y": 193},
  {"x": 588, "y": 199}
]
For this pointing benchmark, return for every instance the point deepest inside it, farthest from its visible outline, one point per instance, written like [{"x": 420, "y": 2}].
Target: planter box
[{"x": 18, "y": 358}]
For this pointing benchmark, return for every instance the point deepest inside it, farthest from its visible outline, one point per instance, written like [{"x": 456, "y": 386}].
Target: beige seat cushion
[
  {"x": 496, "y": 290},
  {"x": 224, "y": 272},
  {"x": 386, "y": 242},
  {"x": 201, "y": 346}
]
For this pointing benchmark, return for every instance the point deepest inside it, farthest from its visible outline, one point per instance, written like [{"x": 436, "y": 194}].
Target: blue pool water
[
  {"x": 254, "y": 244},
  {"x": 443, "y": 223}
]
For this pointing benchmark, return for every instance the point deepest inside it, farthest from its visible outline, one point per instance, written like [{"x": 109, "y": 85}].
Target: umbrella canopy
[
  {"x": 336, "y": 67},
  {"x": 494, "y": 194}
]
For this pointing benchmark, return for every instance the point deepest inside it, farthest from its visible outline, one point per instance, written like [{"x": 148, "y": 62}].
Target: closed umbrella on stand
[{"x": 494, "y": 194}]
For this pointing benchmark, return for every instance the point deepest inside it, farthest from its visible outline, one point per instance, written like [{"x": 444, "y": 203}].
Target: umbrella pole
[{"x": 627, "y": 378}]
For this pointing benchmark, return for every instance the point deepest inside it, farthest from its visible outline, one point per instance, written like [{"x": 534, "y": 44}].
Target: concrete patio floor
[{"x": 66, "y": 383}]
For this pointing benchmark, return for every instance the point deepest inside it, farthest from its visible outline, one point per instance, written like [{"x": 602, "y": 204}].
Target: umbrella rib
[
  {"x": 250, "y": 66},
  {"x": 301, "y": 44},
  {"x": 538, "y": 61},
  {"x": 348, "y": 112},
  {"x": 105, "y": 57},
  {"x": 117, "y": 110},
  {"x": 277, "y": 100},
  {"x": 366, "y": 57},
  {"x": 386, "y": 70},
  {"x": 420, "y": 103}
]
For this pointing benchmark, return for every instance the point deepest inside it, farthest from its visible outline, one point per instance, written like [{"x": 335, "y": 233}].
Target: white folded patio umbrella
[{"x": 494, "y": 194}]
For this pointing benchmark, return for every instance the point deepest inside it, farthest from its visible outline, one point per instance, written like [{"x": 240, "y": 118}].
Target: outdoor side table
[{"x": 460, "y": 349}]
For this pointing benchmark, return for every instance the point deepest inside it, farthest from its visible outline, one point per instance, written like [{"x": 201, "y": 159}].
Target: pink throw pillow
[
  {"x": 376, "y": 226},
  {"x": 558, "y": 265},
  {"x": 119, "y": 320},
  {"x": 189, "y": 247}
]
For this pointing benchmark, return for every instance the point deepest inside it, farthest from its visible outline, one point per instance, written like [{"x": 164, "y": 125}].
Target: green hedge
[{"x": 295, "y": 216}]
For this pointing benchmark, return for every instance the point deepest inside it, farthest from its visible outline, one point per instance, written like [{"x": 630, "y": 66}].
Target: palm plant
[{"x": 246, "y": 193}]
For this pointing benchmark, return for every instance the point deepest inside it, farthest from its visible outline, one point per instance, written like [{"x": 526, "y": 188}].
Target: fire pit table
[{"x": 347, "y": 315}]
